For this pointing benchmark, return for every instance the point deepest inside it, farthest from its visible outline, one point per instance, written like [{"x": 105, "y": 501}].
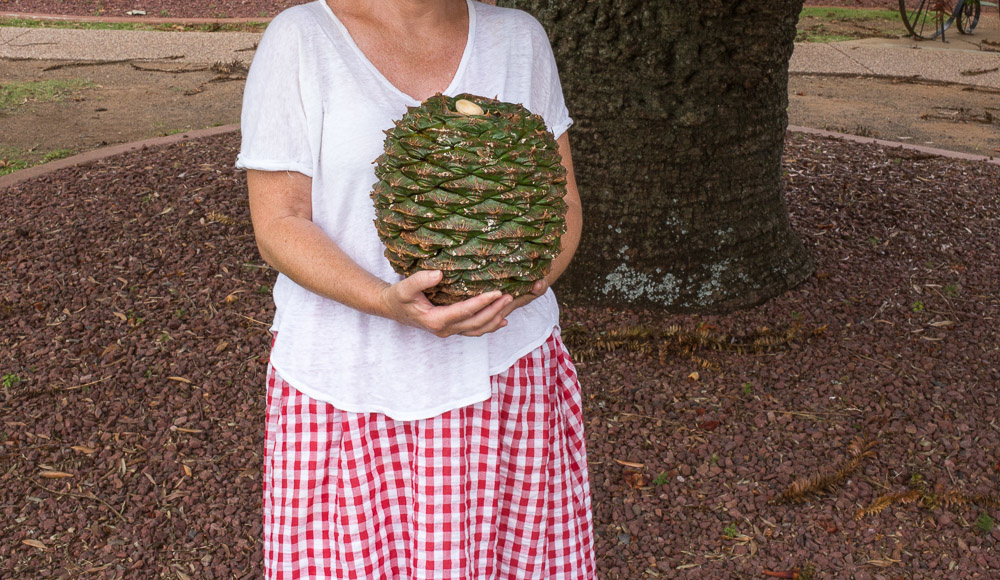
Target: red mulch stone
[{"x": 135, "y": 307}]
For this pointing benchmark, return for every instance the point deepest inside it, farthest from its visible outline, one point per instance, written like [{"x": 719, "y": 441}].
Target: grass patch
[
  {"x": 57, "y": 154},
  {"x": 11, "y": 165},
  {"x": 164, "y": 27},
  {"x": 851, "y": 14},
  {"x": 13, "y": 95},
  {"x": 13, "y": 159},
  {"x": 835, "y": 24}
]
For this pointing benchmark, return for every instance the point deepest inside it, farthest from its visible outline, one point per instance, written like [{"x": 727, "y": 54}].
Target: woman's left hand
[{"x": 539, "y": 288}]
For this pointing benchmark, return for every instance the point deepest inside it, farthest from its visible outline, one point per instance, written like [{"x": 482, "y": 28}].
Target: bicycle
[{"x": 940, "y": 15}]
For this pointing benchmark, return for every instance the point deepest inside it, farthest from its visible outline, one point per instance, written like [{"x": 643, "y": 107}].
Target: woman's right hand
[{"x": 406, "y": 303}]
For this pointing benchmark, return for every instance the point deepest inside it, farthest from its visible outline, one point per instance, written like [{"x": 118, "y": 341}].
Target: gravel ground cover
[
  {"x": 135, "y": 306},
  {"x": 240, "y": 8}
]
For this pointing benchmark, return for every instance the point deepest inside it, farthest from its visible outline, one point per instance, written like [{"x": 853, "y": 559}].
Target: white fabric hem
[
  {"x": 561, "y": 128},
  {"x": 518, "y": 354},
  {"x": 391, "y": 413},
  {"x": 271, "y": 165}
]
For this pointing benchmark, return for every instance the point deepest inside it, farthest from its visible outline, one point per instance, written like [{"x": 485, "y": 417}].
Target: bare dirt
[
  {"x": 952, "y": 117},
  {"x": 122, "y": 102}
]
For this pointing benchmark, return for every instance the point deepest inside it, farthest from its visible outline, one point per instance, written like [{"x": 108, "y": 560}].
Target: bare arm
[{"x": 288, "y": 240}]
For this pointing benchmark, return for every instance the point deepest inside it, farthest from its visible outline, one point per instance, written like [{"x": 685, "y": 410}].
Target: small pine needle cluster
[
  {"x": 803, "y": 487},
  {"x": 234, "y": 67},
  {"x": 917, "y": 494},
  {"x": 221, "y": 218},
  {"x": 947, "y": 499},
  {"x": 884, "y": 501}
]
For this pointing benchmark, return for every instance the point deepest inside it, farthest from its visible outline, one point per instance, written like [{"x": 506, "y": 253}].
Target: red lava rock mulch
[{"x": 135, "y": 306}]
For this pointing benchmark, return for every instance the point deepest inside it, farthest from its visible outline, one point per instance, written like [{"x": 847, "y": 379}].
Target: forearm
[
  {"x": 281, "y": 210},
  {"x": 574, "y": 215},
  {"x": 569, "y": 241},
  {"x": 299, "y": 249}
]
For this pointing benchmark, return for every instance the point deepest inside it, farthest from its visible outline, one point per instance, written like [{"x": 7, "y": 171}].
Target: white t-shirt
[{"x": 315, "y": 104}]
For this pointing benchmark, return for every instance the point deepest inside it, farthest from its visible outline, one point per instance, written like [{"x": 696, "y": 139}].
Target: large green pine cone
[{"x": 479, "y": 197}]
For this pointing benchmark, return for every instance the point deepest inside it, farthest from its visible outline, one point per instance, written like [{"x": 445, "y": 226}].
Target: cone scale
[{"x": 473, "y": 187}]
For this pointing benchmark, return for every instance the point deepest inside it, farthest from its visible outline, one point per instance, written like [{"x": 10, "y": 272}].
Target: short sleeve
[
  {"x": 278, "y": 103},
  {"x": 547, "y": 95}
]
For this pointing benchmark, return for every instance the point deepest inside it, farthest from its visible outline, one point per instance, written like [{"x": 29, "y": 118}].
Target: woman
[{"x": 404, "y": 440}]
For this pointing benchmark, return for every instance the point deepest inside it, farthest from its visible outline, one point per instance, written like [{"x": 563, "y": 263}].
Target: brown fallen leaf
[
  {"x": 630, "y": 464},
  {"x": 233, "y": 297},
  {"x": 55, "y": 474},
  {"x": 794, "y": 574},
  {"x": 83, "y": 449},
  {"x": 883, "y": 563},
  {"x": 187, "y": 470},
  {"x": 179, "y": 380},
  {"x": 34, "y": 544},
  {"x": 111, "y": 348},
  {"x": 635, "y": 479}
]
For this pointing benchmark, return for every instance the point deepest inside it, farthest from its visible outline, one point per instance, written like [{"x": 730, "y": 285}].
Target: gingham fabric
[{"x": 494, "y": 491}]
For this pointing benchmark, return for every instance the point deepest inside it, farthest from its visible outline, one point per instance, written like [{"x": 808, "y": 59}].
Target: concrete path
[
  {"x": 923, "y": 59},
  {"x": 972, "y": 55},
  {"x": 930, "y": 59}
]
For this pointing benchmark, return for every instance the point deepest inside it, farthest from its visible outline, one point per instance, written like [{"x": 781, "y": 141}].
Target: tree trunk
[{"x": 680, "y": 111}]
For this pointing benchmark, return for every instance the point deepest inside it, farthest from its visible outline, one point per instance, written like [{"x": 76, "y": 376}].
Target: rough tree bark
[{"x": 680, "y": 111}]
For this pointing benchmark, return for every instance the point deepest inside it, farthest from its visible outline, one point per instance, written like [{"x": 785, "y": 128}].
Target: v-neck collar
[{"x": 452, "y": 86}]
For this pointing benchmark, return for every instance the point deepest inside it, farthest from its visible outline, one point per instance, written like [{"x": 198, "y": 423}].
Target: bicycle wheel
[
  {"x": 968, "y": 16},
  {"x": 927, "y": 18}
]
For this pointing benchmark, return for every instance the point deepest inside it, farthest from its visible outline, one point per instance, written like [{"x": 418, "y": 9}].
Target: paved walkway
[{"x": 930, "y": 59}]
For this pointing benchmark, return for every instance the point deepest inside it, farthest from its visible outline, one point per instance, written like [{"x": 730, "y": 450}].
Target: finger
[
  {"x": 469, "y": 307},
  {"x": 448, "y": 320},
  {"x": 539, "y": 287},
  {"x": 414, "y": 285},
  {"x": 486, "y": 319},
  {"x": 485, "y": 330}
]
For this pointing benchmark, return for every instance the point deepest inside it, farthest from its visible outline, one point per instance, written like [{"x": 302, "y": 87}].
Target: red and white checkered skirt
[{"x": 496, "y": 490}]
